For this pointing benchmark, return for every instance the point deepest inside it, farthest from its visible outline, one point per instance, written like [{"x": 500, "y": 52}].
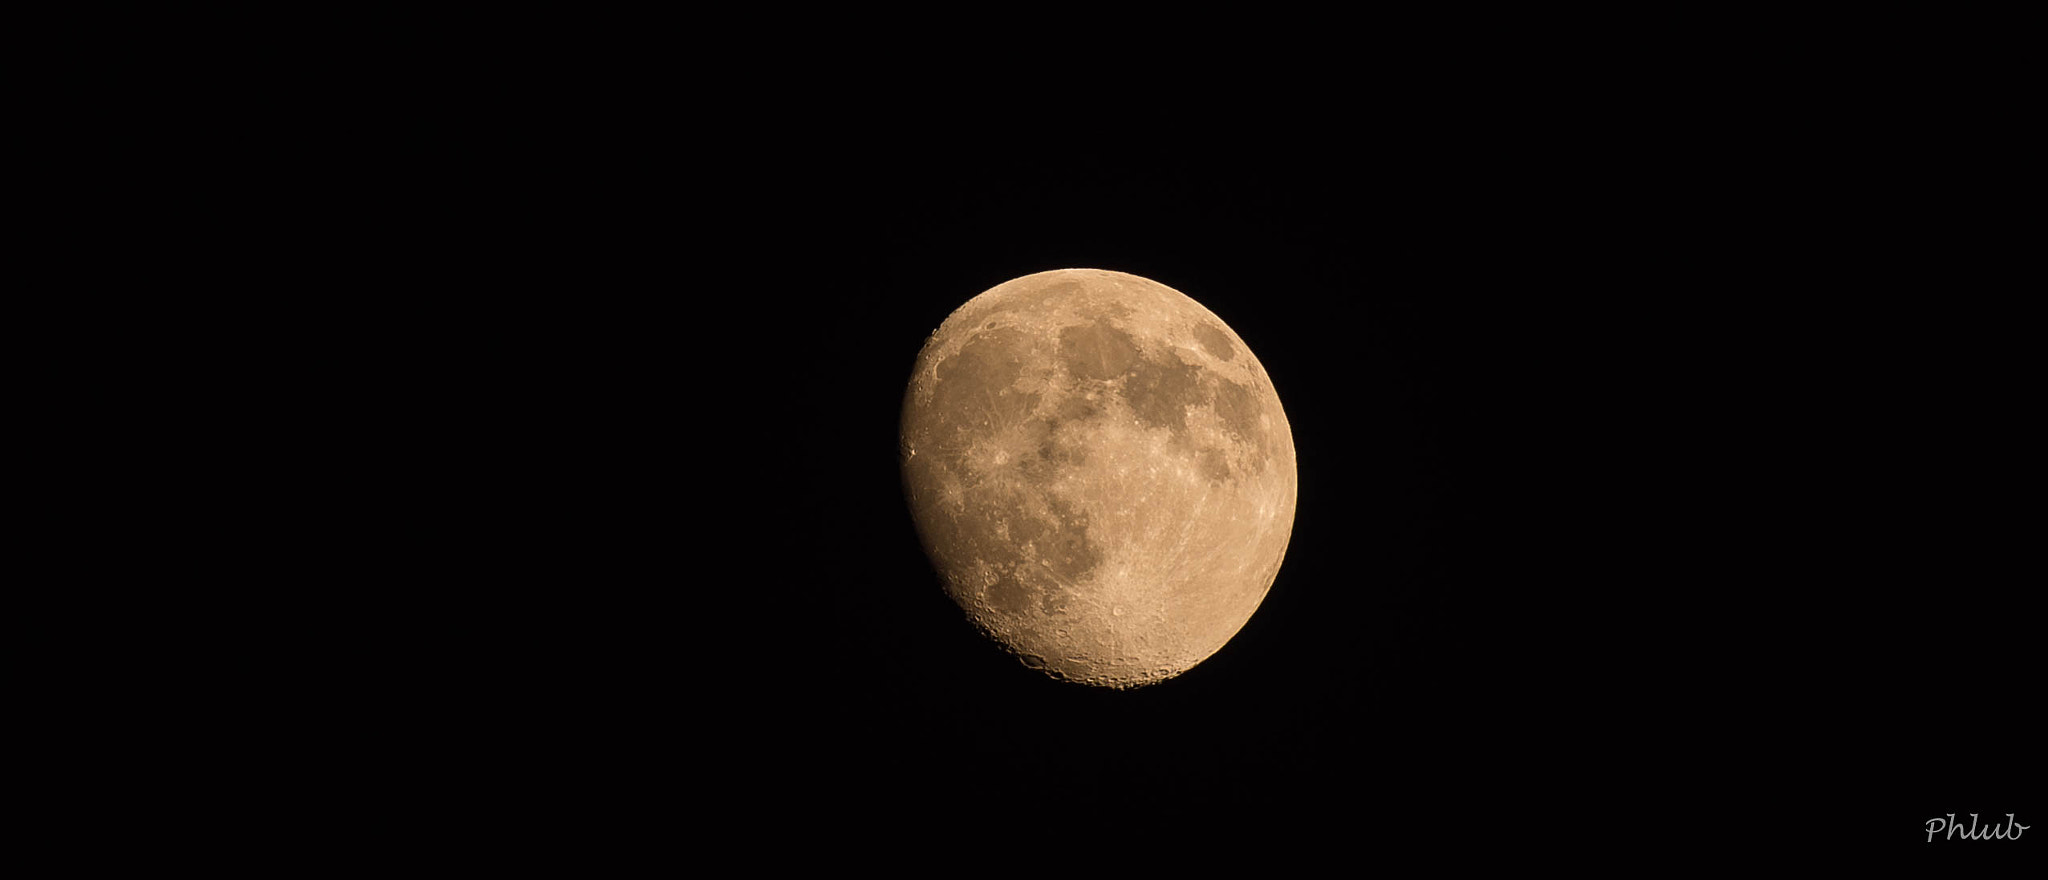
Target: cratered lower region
[{"x": 1101, "y": 473}]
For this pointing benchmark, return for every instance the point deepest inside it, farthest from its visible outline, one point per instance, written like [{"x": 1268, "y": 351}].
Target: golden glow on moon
[{"x": 1101, "y": 473}]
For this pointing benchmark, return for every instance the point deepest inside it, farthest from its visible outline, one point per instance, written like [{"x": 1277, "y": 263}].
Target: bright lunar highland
[{"x": 1101, "y": 473}]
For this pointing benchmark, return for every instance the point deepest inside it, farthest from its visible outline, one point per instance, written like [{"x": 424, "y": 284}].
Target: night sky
[{"x": 1611, "y": 504}]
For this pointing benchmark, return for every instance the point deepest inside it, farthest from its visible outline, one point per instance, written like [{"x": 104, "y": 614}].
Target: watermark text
[{"x": 2011, "y": 830}]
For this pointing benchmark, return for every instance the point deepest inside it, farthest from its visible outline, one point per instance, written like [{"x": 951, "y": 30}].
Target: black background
[{"x": 1645, "y": 489}]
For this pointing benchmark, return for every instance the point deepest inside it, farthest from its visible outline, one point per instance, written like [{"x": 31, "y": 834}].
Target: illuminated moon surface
[{"x": 1101, "y": 473}]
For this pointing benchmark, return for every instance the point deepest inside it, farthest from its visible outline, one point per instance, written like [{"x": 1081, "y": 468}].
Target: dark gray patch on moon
[
  {"x": 1238, "y": 408},
  {"x": 974, "y": 391},
  {"x": 1067, "y": 551},
  {"x": 1160, "y": 392},
  {"x": 1215, "y": 342},
  {"x": 1097, "y": 351},
  {"x": 1032, "y": 559},
  {"x": 1076, "y": 408},
  {"x": 1049, "y": 455},
  {"x": 1009, "y": 594}
]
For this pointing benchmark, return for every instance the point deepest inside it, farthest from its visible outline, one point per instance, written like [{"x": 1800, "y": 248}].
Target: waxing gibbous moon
[{"x": 1101, "y": 473}]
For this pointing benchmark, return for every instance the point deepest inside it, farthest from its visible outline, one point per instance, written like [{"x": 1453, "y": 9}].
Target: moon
[{"x": 1100, "y": 472}]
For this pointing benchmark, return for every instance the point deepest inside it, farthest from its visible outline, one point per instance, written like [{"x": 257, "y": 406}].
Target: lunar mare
[{"x": 1101, "y": 473}]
